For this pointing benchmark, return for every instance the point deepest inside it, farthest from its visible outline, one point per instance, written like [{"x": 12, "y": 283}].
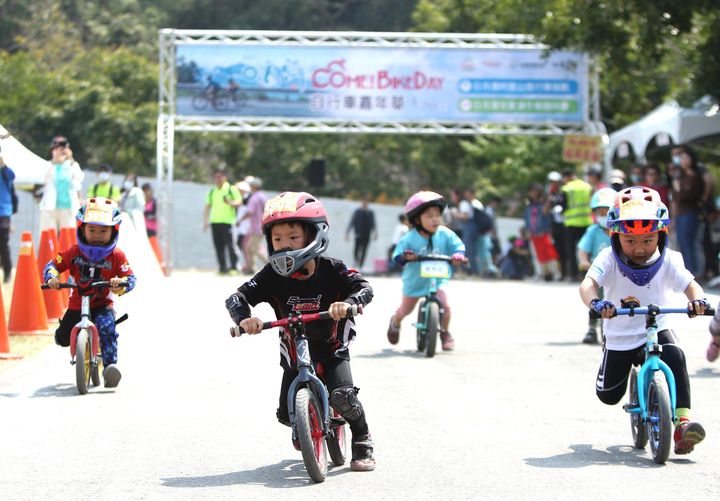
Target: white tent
[
  {"x": 28, "y": 167},
  {"x": 666, "y": 125}
]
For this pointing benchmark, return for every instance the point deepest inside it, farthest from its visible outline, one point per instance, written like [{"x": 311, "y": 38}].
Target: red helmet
[{"x": 293, "y": 207}]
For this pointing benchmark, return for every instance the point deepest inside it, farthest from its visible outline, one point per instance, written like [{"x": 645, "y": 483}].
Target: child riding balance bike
[
  {"x": 639, "y": 265},
  {"x": 299, "y": 279},
  {"x": 94, "y": 258},
  {"x": 428, "y": 236}
]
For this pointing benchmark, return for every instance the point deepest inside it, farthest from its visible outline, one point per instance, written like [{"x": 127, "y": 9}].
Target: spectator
[
  {"x": 450, "y": 215},
  {"x": 60, "y": 195},
  {"x": 254, "y": 238},
  {"x": 687, "y": 191},
  {"x": 652, "y": 178},
  {"x": 490, "y": 255},
  {"x": 516, "y": 264},
  {"x": 637, "y": 174},
  {"x": 220, "y": 204},
  {"x": 401, "y": 229},
  {"x": 594, "y": 178},
  {"x": 8, "y": 206},
  {"x": 104, "y": 187},
  {"x": 242, "y": 224},
  {"x": 578, "y": 216},
  {"x": 538, "y": 221},
  {"x": 150, "y": 211},
  {"x": 132, "y": 198},
  {"x": 362, "y": 223},
  {"x": 470, "y": 236},
  {"x": 617, "y": 180},
  {"x": 553, "y": 206}
]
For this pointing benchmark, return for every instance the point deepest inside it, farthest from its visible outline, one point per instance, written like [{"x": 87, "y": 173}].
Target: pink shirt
[{"x": 255, "y": 209}]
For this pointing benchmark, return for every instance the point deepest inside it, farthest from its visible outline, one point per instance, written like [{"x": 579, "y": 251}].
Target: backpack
[
  {"x": 11, "y": 189},
  {"x": 483, "y": 221}
]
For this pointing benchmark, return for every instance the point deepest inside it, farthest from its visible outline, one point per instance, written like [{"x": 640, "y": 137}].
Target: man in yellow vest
[
  {"x": 103, "y": 187},
  {"x": 221, "y": 204},
  {"x": 578, "y": 216}
]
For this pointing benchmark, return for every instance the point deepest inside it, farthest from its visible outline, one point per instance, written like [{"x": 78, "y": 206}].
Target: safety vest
[{"x": 577, "y": 211}]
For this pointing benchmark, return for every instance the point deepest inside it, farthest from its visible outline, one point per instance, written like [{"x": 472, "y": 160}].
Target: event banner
[{"x": 366, "y": 84}]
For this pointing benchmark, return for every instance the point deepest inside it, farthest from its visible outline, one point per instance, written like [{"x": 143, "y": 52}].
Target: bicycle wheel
[
  {"x": 199, "y": 102},
  {"x": 337, "y": 440},
  {"x": 639, "y": 433},
  {"x": 421, "y": 334},
  {"x": 82, "y": 362},
  {"x": 433, "y": 327},
  {"x": 308, "y": 419},
  {"x": 659, "y": 425}
]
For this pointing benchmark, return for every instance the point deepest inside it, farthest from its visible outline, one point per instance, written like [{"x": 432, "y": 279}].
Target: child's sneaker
[
  {"x": 687, "y": 434},
  {"x": 111, "y": 376},
  {"x": 447, "y": 341},
  {"x": 362, "y": 454},
  {"x": 713, "y": 351},
  {"x": 591, "y": 337},
  {"x": 393, "y": 333}
]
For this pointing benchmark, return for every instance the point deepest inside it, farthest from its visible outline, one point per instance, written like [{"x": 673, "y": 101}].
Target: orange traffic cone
[
  {"x": 53, "y": 299},
  {"x": 27, "y": 310},
  {"x": 4, "y": 340},
  {"x": 63, "y": 293},
  {"x": 158, "y": 252}
]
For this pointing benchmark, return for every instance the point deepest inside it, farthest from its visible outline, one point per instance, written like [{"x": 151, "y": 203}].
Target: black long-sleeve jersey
[{"x": 331, "y": 282}]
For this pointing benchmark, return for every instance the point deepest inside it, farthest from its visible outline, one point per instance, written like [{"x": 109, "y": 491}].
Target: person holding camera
[
  {"x": 220, "y": 206},
  {"x": 60, "y": 199}
]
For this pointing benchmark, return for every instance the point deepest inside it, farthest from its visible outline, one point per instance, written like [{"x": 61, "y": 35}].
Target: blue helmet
[{"x": 102, "y": 212}]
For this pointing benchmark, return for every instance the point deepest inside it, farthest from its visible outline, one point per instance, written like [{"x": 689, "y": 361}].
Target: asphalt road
[{"x": 511, "y": 414}]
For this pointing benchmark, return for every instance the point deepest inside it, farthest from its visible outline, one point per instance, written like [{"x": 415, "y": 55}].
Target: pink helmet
[
  {"x": 421, "y": 201},
  {"x": 293, "y": 207}
]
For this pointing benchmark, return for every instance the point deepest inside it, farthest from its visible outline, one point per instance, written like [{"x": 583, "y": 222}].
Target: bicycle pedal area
[{"x": 208, "y": 402}]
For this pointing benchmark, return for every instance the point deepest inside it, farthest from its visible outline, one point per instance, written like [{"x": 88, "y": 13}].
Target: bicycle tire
[
  {"x": 433, "y": 327},
  {"x": 639, "y": 431},
  {"x": 82, "y": 362},
  {"x": 659, "y": 425},
  {"x": 200, "y": 102},
  {"x": 95, "y": 371},
  {"x": 337, "y": 442},
  {"x": 308, "y": 420},
  {"x": 421, "y": 334}
]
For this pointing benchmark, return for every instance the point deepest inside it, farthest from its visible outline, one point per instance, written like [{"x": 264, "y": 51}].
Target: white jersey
[{"x": 626, "y": 333}]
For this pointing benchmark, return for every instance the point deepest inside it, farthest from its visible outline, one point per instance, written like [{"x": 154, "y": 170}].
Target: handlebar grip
[
  {"x": 236, "y": 331},
  {"x": 60, "y": 286}
]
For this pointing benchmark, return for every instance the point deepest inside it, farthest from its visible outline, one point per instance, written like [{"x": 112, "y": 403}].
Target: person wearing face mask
[
  {"x": 595, "y": 239},
  {"x": 60, "y": 196},
  {"x": 104, "y": 187},
  {"x": 132, "y": 198}
]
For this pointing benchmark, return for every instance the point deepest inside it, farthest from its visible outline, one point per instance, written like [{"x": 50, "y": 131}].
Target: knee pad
[{"x": 345, "y": 401}]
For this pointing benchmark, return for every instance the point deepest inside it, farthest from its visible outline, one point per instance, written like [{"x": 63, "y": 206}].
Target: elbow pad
[{"x": 237, "y": 307}]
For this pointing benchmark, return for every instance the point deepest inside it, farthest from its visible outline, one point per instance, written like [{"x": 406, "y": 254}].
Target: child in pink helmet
[{"x": 428, "y": 235}]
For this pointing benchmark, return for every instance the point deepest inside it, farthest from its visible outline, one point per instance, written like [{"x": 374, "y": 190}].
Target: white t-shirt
[
  {"x": 626, "y": 333},
  {"x": 467, "y": 207}
]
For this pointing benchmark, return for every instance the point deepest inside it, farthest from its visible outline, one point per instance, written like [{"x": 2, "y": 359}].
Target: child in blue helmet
[
  {"x": 639, "y": 265},
  {"x": 595, "y": 239},
  {"x": 428, "y": 235},
  {"x": 94, "y": 258}
]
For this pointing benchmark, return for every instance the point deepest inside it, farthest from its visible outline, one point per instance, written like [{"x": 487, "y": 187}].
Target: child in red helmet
[
  {"x": 638, "y": 264},
  {"x": 428, "y": 235},
  {"x": 94, "y": 258},
  {"x": 299, "y": 279}
]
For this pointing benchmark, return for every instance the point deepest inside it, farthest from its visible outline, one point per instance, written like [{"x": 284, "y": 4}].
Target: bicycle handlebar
[
  {"x": 654, "y": 309},
  {"x": 354, "y": 310},
  {"x": 69, "y": 285},
  {"x": 434, "y": 257}
]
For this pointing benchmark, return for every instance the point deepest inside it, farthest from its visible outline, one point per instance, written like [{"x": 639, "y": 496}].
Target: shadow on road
[
  {"x": 706, "y": 372},
  {"x": 583, "y": 455},
  {"x": 288, "y": 473},
  {"x": 389, "y": 353},
  {"x": 57, "y": 390}
]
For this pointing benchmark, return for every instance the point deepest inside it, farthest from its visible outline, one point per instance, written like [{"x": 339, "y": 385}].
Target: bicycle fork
[{"x": 647, "y": 370}]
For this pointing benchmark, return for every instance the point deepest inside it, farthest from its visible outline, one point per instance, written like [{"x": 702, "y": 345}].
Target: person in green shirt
[
  {"x": 103, "y": 187},
  {"x": 220, "y": 212}
]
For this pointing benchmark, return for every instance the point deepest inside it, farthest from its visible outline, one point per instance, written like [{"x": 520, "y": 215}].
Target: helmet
[
  {"x": 604, "y": 197},
  {"x": 554, "y": 175},
  {"x": 638, "y": 211},
  {"x": 102, "y": 212},
  {"x": 421, "y": 201},
  {"x": 293, "y": 207}
]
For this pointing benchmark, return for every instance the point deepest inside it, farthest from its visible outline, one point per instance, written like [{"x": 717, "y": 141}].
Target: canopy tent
[
  {"x": 29, "y": 168},
  {"x": 666, "y": 125}
]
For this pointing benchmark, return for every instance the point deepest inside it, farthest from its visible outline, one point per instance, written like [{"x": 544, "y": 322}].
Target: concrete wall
[{"x": 192, "y": 248}]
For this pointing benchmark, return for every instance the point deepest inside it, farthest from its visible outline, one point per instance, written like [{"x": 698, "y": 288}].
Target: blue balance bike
[
  {"x": 431, "y": 313},
  {"x": 652, "y": 393}
]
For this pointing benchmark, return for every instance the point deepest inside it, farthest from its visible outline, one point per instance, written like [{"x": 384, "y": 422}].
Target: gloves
[
  {"x": 458, "y": 257},
  {"x": 600, "y": 305},
  {"x": 697, "y": 306}
]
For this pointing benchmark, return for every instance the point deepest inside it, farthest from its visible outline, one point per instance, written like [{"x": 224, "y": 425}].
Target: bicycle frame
[
  {"x": 431, "y": 295},
  {"x": 85, "y": 323}
]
